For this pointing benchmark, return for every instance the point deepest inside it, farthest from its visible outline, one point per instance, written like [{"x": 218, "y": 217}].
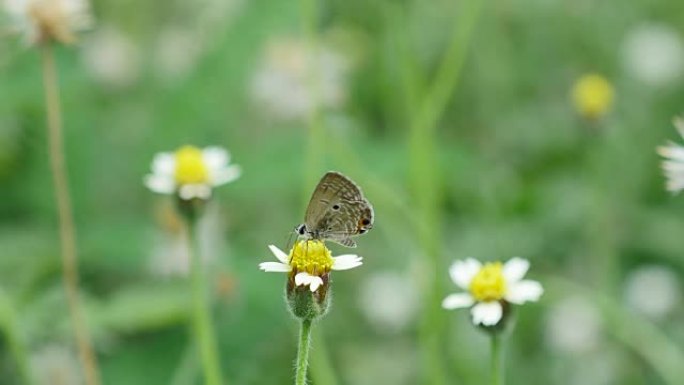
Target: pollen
[
  {"x": 190, "y": 166},
  {"x": 311, "y": 256},
  {"x": 489, "y": 283},
  {"x": 592, "y": 95}
]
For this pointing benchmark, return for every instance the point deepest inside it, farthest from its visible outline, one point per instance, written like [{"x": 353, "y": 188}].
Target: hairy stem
[{"x": 303, "y": 352}]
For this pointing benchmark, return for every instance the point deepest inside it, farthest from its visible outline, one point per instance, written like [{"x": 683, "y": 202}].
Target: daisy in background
[
  {"x": 309, "y": 263},
  {"x": 41, "y": 21},
  {"x": 490, "y": 288},
  {"x": 673, "y": 165},
  {"x": 191, "y": 172}
]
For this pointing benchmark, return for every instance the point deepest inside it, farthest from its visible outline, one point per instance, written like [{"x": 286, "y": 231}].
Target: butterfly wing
[{"x": 338, "y": 210}]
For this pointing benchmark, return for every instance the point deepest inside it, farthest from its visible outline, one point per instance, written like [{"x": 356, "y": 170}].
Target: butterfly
[{"x": 337, "y": 211}]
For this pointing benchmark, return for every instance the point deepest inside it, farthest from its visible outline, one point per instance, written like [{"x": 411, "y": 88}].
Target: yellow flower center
[
  {"x": 489, "y": 283},
  {"x": 190, "y": 166},
  {"x": 592, "y": 95},
  {"x": 311, "y": 256}
]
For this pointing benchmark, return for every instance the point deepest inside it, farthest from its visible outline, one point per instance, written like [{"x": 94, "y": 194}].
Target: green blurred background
[{"x": 456, "y": 119}]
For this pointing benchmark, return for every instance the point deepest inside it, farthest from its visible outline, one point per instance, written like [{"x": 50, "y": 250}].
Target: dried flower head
[{"x": 41, "y": 21}]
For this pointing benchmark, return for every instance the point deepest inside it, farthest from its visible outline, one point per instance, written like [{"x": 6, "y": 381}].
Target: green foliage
[{"x": 508, "y": 169}]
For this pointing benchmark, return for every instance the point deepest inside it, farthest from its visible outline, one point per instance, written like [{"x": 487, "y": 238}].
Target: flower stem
[
  {"x": 201, "y": 315},
  {"x": 303, "y": 352},
  {"x": 67, "y": 229},
  {"x": 497, "y": 360},
  {"x": 14, "y": 338}
]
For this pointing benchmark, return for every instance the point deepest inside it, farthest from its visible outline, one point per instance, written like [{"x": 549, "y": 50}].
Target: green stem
[
  {"x": 497, "y": 360},
  {"x": 303, "y": 352},
  {"x": 14, "y": 338},
  {"x": 201, "y": 315}
]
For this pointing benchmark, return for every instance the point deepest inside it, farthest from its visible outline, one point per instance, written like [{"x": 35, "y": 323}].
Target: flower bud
[{"x": 305, "y": 304}]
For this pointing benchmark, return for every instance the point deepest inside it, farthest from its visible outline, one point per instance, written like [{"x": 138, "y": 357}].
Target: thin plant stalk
[
  {"x": 426, "y": 176},
  {"x": 303, "y": 352},
  {"x": 201, "y": 311},
  {"x": 497, "y": 360},
  {"x": 67, "y": 230},
  {"x": 14, "y": 338}
]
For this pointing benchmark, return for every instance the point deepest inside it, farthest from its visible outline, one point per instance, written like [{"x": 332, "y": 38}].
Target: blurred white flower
[
  {"x": 111, "y": 58},
  {"x": 673, "y": 165},
  {"x": 191, "y": 172},
  {"x": 654, "y": 54},
  {"x": 489, "y": 286},
  {"x": 598, "y": 368},
  {"x": 389, "y": 301},
  {"x": 177, "y": 52},
  {"x": 573, "y": 326},
  {"x": 56, "y": 365},
  {"x": 293, "y": 79},
  {"x": 653, "y": 290},
  {"x": 170, "y": 255},
  {"x": 44, "y": 20}
]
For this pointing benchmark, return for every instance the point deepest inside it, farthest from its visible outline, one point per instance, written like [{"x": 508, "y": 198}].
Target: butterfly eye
[
  {"x": 336, "y": 207},
  {"x": 365, "y": 221}
]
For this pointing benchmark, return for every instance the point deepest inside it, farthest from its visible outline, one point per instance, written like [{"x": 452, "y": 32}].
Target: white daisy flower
[
  {"x": 309, "y": 263},
  {"x": 44, "y": 20},
  {"x": 673, "y": 165},
  {"x": 191, "y": 172},
  {"x": 489, "y": 286}
]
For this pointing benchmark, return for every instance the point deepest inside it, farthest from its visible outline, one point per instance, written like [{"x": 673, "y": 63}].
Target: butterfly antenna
[{"x": 289, "y": 240}]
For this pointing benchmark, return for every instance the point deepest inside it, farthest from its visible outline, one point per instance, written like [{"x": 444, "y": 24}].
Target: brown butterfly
[{"x": 337, "y": 211}]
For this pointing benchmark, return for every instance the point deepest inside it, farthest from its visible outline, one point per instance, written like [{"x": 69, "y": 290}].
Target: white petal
[
  {"x": 215, "y": 157},
  {"x": 279, "y": 254},
  {"x": 462, "y": 272},
  {"x": 457, "y": 301},
  {"x": 524, "y": 291},
  {"x": 225, "y": 175},
  {"x": 346, "y": 262},
  {"x": 275, "y": 267},
  {"x": 161, "y": 184},
  {"x": 191, "y": 191},
  {"x": 316, "y": 282},
  {"x": 487, "y": 313},
  {"x": 515, "y": 269},
  {"x": 302, "y": 278},
  {"x": 672, "y": 151},
  {"x": 164, "y": 163}
]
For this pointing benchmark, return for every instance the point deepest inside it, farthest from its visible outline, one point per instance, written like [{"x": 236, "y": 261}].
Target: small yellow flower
[
  {"x": 308, "y": 262},
  {"x": 489, "y": 283},
  {"x": 191, "y": 172},
  {"x": 592, "y": 95},
  {"x": 488, "y": 287},
  {"x": 190, "y": 166}
]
